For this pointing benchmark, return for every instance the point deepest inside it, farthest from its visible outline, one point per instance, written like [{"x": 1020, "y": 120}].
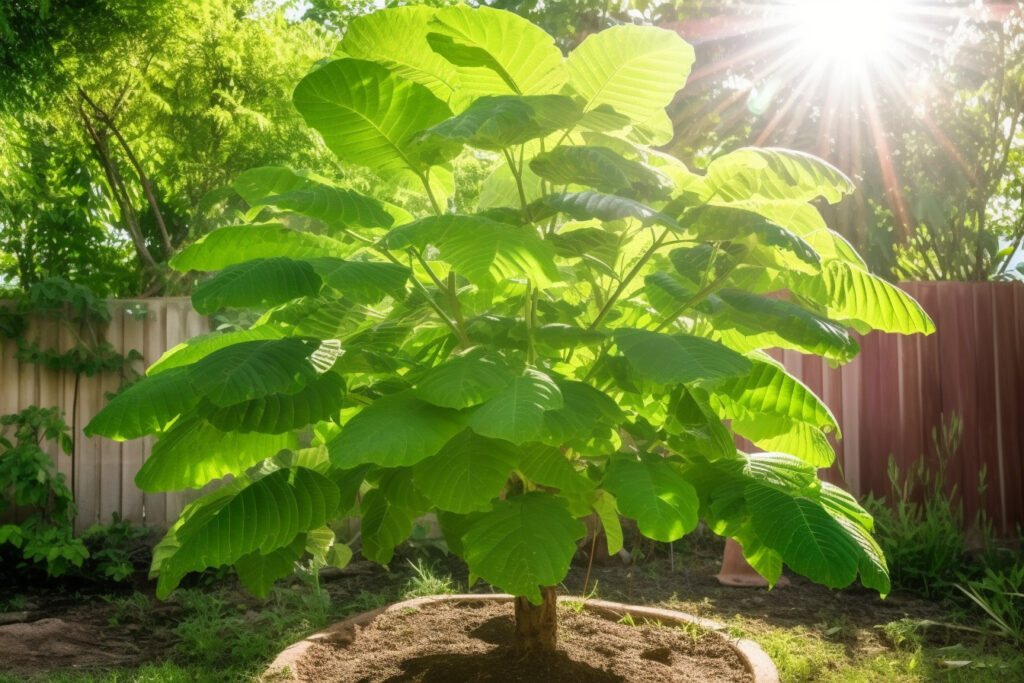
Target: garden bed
[{"x": 469, "y": 638}]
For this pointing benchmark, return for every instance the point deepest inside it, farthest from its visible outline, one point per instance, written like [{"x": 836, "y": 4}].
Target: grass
[{"x": 220, "y": 635}]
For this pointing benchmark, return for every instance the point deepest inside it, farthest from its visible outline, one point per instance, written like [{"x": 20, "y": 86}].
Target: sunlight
[{"x": 845, "y": 35}]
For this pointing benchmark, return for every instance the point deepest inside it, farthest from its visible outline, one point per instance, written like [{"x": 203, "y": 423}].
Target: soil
[
  {"x": 443, "y": 643},
  {"x": 95, "y": 636}
]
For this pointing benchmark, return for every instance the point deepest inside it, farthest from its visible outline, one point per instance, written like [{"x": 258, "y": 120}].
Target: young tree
[{"x": 571, "y": 348}]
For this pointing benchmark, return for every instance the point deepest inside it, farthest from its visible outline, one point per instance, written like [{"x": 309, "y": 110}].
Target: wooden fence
[
  {"x": 100, "y": 472},
  {"x": 900, "y": 388},
  {"x": 887, "y": 401}
]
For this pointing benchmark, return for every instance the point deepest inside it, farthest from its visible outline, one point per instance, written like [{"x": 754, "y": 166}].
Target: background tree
[{"x": 157, "y": 105}]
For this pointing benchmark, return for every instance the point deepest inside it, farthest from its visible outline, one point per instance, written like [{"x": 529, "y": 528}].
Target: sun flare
[{"x": 846, "y": 35}]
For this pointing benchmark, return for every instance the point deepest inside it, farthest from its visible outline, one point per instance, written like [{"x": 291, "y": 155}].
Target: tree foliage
[
  {"x": 558, "y": 352},
  {"x": 125, "y": 121}
]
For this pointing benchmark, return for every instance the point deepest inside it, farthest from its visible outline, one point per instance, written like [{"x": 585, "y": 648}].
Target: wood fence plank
[
  {"x": 134, "y": 338},
  {"x": 175, "y": 330},
  {"x": 156, "y": 342},
  {"x": 928, "y": 295},
  {"x": 986, "y": 406}
]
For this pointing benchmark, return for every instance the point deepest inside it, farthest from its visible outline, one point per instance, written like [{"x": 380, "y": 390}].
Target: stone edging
[{"x": 343, "y": 633}]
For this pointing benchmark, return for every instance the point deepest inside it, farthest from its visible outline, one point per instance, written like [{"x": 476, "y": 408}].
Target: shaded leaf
[
  {"x": 523, "y": 543},
  {"x": 193, "y": 453},
  {"x": 467, "y": 473},
  {"x": 483, "y": 251},
  {"x": 261, "y": 282},
  {"x": 394, "y": 431},
  {"x": 464, "y": 381},
  {"x": 364, "y": 282},
  {"x": 680, "y": 358},
  {"x": 655, "y": 494},
  {"x": 145, "y": 407},
  {"x": 516, "y": 413}
]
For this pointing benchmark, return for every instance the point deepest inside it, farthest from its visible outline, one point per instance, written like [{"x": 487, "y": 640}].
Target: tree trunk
[{"x": 536, "y": 631}]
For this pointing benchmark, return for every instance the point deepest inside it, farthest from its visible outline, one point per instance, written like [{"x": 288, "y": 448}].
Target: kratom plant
[{"x": 587, "y": 343}]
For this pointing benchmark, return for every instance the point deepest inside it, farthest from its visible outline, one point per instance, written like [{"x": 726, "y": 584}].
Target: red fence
[{"x": 900, "y": 388}]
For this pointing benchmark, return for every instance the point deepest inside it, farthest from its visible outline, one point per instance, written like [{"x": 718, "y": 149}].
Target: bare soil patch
[{"x": 442, "y": 643}]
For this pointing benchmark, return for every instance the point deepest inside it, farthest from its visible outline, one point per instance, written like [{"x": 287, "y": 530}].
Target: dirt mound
[
  {"x": 443, "y": 643},
  {"x": 53, "y": 643}
]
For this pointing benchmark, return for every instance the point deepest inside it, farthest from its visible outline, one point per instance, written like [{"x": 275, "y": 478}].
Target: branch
[{"x": 143, "y": 178}]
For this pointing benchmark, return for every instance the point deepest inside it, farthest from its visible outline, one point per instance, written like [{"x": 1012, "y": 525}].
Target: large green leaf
[
  {"x": 545, "y": 465},
  {"x": 467, "y": 474},
  {"x": 786, "y": 435},
  {"x": 484, "y": 251},
  {"x": 804, "y": 220},
  {"x": 496, "y": 52},
  {"x": 791, "y": 323},
  {"x": 320, "y": 399},
  {"x": 465, "y": 380},
  {"x": 585, "y": 412},
  {"x": 637, "y": 70},
  {"x": 193, "y": 453},
  {"x": 499, "y": 122},
  {"x": 394, "y": 431},
  {"x": 257, "y": 571},
  {"x": 522, "y": 544},
  {"x": 692, "y": 419},
  {"x": 234, "y": 522},
  {"x": 145, "y": 407},
  {"x": 655, "y": 494},
  {"x": 681, "y": 358},
  {"x": 855, "y": 296},
  {"x": 874, "y": 571},
  {"x": 239, "y": 243},
  {"x": 334, "y": 206},
  {"x": 516, "y": 413},
  {"x": 258, "y": 183},
  {"x": 809, "y": 540},
  {"x": 767, "y": 389},
  {"x": 600, "y": 168},
  {"x": 364, "y": 282},
  {"x": 202, "y": 345},
  {"x": 259, "y": 283},
  {"x": 388, "y": 513},
  {"x": 368, "y": 115},
  {"x": 604, "y": 207},
  {"x": 396, "y": 38},
  {"x": 253, "y": 369},
  {"x": 759, "y": 173},
  {"x": 607, "y": 511},
  {"x": 721, "y": 224}
]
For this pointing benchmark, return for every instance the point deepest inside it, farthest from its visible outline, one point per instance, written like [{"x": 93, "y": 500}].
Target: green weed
[{"x": 425, "y": 580}]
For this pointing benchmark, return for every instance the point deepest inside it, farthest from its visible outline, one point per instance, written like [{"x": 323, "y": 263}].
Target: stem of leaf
[
  {"x": 530, "y": 316},
  {"x": 453, "y": 297},
  {"x": 518, "y": 176},
  {"x": 694, "y": 300},
  {"x": 425, "y": 179},
  {"x": 607, "y": 308}
]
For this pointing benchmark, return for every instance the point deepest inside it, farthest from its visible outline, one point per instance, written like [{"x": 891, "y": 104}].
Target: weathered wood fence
[
  {"x": 887, "y": 401},
  {"x": 901, "y": 388},
  {"x": 101, "y": 473}
]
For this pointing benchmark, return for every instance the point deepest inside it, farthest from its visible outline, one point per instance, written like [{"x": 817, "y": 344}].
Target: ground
[{"x": 215, "y": 631}]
